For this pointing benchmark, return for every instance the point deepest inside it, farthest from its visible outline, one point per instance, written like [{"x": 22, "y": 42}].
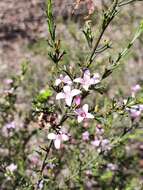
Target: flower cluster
[
  {"x": 73, "y": 96},
  {"x": 68, "y": 93},
  {"x": 102, "y": 144}
]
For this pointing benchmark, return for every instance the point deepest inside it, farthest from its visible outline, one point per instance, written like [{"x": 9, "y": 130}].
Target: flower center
[{"x": 83, "y": 114}]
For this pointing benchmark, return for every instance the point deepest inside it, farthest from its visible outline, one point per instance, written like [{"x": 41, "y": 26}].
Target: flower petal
[
  {"x": 78, "y": 111},
  {"x": 65, "y": 137},
  {"x": 89, "y": 115},
  {"x": 60, "y": 95},
  {"x": 86, "y": 76},
  {"x": 67, "y": 89},
  {"x": 51, "y": 136},
  {"x": 85, "y": 108},
  {"x": 57, "y": 82},
  {"x": 67, "y": 80},
  {"x": 80, "y": 119},
  {"x": 57, "y": 143},
  {"x": 86, "y": 86},
  {"x": 141, "y": 107},
  {"x": 95, "y": 143},
  {"x": 68, "y": 100},
  {"x": 78, "y": 80},
  {"x": 75, "y": 92}
]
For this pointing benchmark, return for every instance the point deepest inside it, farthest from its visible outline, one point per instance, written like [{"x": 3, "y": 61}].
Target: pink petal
[
  {"x": 75, "y": 92},
  {"x": 95, "y": 143},
  {"x": 67, "y": 80},
  {"x": 85, "y": 108},
  {"x": 51, "y": 136},
  {"x": 135, "y": 114},
  {"x": 89, "y": 115},
  {"x": 96, "y": 76},
  {"x": 78, "y": 111},
  {"x": 57, "y": 82},
  {"x": 60, "y": 95},
  {"x": 136, "y": 88},
  {"x": 85, "y": 136},
  {"x": 65, "y": 137},
  {"x": 78, "y": 80},
  {"x": 68, "y": 100},
  {"x": 141, "y": 107},
  {"x": 86, "y": 76},
  {"x": 67, "y": 89},
  {"x": 77, "y": 100},
  {"x": 80, "y": 119},
  {"x": 57, "y": 143}
]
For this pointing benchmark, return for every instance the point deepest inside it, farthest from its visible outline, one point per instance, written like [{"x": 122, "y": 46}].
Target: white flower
[
  {"x": 68, "y": 94},
  {"x": 87, "y": 81},
  {"x": 63, "y": 79},
  {"x": 58, "y": 138},
  {"x": 83, "y": 113}
]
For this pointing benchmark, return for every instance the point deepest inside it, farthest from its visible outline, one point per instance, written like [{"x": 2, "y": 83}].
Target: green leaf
[
  {"x": 44, "y": 95},
  {"x": 123, "y": 53},
  {"x": 50, "y": 20}
]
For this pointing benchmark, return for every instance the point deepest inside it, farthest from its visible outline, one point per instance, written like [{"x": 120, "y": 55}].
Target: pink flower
[
  {"x": 99, "y": 130},
  {"x": 11, "y": 168},
  {"x": 88, "y": 173},
  {"x": 87, "y": 81},
  {"x": 10, "y": 125},
  {"x": 63, "y": 79},
  {"x": 141, "y": 107},
  {"x": 8, "y": 81},
  {"x": 34, "y": 159},
  {"x": 135, "y": 89},
  {"x": 135, "y": 111},
  {"x": 85, "y": 136},
  {"x": 41, "y": 185},
  {"x": 83, "y": 113},
  {"x": 105, "y": 144},
  {"x": 58, "y": 138},
  {"x": 77, "y": 100},
  {"x": 96, "y": 143},
  {"x": 68, "y": 94}
]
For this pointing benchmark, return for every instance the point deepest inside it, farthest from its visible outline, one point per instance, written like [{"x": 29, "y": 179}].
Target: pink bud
[{"x": 77, "y": 100}]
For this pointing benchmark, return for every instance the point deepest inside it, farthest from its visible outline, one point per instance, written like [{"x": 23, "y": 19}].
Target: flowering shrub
[{"x": 75, "y": 135}]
